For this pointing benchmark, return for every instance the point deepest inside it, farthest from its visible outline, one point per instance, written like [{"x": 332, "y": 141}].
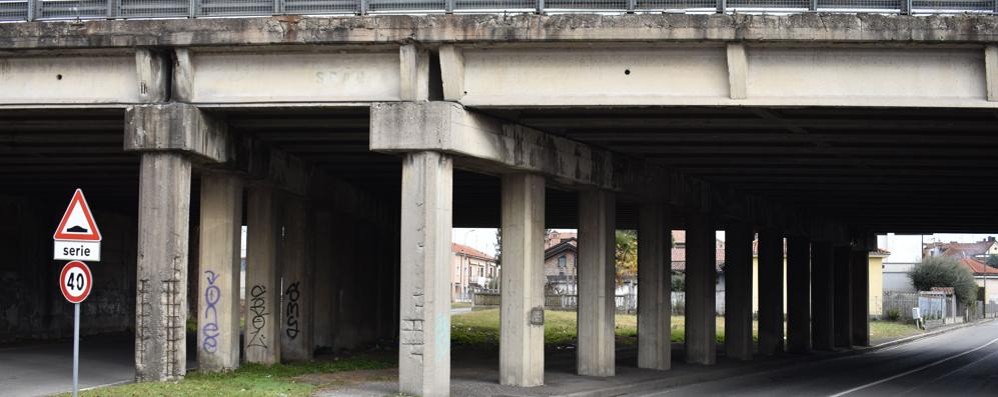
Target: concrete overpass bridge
[{"x": 350, "y": 146}]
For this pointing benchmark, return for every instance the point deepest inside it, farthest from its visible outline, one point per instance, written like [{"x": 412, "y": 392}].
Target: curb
[{"x": 766, "y": 367}]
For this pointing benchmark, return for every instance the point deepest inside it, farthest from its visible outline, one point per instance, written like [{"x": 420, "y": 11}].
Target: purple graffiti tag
[{"x": 210, "y": 331}]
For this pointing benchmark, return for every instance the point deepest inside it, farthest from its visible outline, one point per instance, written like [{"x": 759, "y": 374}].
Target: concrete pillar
[
  {"x": 219, "y": 270},
  {"x": 324, "y": 284},
  {"x": 261, "y": 343},
  {"x": 798, "y": 294},
  {"x": 770, "y": 292},
  {"x": 424, "y": 299},
  {"x": 701, "y": 276},
  {"x": 822, "y": 291},
  {"x": 860, "y": 263},
  {"x": 161, "y": 306},
  {"x": 521, "y": 347},
  {"x": 596, "y": 303},
  {"x": 738, "y": 291},
  {"x": 296, "y": 282},
  {"x": 842, "y": 296},
  {"x": 654, "y": 289}
]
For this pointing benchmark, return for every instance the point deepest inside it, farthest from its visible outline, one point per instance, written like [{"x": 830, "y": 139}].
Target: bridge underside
[{"x": 348, "y": 154}]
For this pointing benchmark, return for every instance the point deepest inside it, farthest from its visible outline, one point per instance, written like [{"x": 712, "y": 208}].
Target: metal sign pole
[{"x": 76, "y": 351}]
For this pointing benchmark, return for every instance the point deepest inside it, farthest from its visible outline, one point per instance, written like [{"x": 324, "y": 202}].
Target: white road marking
[{"x": 932, "y": 364}]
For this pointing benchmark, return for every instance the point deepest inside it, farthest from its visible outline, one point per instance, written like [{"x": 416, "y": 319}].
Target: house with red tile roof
[
  {"x": 471, "y": 270},
  {"x": 985, "y": 276},
  {"x": 978, "y": 250}
]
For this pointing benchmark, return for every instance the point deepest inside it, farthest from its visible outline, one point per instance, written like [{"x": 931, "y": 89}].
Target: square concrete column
[
  {"x": 822, "y": 291},
  {"x": 521, "y": 346},
  {"x": 219, "y": 270},
  {"x": 860, "y": 275},
  {"x": 738, "y": 291},
  {"x": 798, "y": 294},
  {"x": 654, "y": 288},
  {"x": 701, "y": 289},
  {"x": 296, "y": 281},
  {"x": 770, "y": 292},
  {"x": 596, "y": 300},
  {"x": 424, "y": 298},
  {"x": 843, "y": 296},
  {"x": 263, "y": 278},
  {"x": 161, "y": 306}
]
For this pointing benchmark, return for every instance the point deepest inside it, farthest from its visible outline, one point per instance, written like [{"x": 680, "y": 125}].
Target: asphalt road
[{"x": 962, "y": 362}]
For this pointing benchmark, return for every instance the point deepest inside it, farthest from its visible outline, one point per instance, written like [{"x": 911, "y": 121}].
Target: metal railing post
[
  {"x": 192, "y": 8},
  {"x": 540, "y": 6},
  {"x": 363, "y": 7},
  {"x": 813, "y": 6},
  {"x": 110, "y": 12},
  {"x": 32, "y": 9},
  {"x": 995, "y": 7},
  {"x": 631, "y": 5},
  {"x": 722, "y": 6},
  {"x": 905, "y": 7},
  {"x": 449, "y": 6}
]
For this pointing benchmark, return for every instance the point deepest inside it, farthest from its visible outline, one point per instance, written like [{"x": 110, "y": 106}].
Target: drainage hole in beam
[
  {"x": 58, "y": 77},
  {"x": 627, "y": 71}
]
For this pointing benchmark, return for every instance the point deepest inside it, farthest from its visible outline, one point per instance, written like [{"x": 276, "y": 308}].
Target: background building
[{"x": 473, "y": 271}]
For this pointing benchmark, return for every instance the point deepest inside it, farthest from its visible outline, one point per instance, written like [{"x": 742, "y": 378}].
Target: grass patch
[
  {"x": 880, "y": 330},
  {"x": 249, "y": 379},
  {"x": 460, "y": 305}
]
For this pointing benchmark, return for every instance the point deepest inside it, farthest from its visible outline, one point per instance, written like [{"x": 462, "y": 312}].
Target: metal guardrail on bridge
[{"x": 30, "y": 10}]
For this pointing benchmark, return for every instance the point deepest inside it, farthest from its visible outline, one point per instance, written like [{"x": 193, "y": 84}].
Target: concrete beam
[
  {"x": 177, "y": 127},
  {"x": 843, "y": 296},
  {"x": 414, "y": 73},
  {"x": 219, "y": 272},
  {"x": 152, "y": 68},
  {"x": 737, "y": 71},
  {"x": 565, "y": 28},
  {"x": 770, "y": 292},
  {"x": 100, "y": 77},
  {"x": 161, "y": 302},
  {"x": 701, "y": 285},
  {"x": 798, "y": 294},
  {"x": 654, "y": 288},
  {"x": 596, "y": 300},
  {"x": 296, "y": 279},
  {"x": 263, "y": 283},
  {"x": 424, "y": 329},
  {"x": 991, "y": 71},
  {"x": 521, "y": 346},
  {"x": 738, "y": 341},
  {"x": 822, "y": 291},
  {"x": 452, "y": 72},
  {"x": 502, "y": 147},
  {"x": 860, "y": 263}
]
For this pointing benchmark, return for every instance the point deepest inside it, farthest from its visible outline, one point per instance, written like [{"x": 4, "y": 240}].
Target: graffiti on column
[
  {"x": 258, "y": 313},
  {"x": 212, "y": 294},
  {"x": 292, "y": 310}
]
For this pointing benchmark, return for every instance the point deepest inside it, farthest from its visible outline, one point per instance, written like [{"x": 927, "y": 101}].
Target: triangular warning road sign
[{"x": 77, "y": 223}]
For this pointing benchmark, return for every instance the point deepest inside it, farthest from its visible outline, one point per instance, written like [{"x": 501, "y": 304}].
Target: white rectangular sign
[{"x": 87, "y": 251}]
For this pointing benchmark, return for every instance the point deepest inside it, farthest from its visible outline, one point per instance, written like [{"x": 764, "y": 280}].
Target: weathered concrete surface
[
  {"x": 701, "y": 282},
  {"x": 448, "y": 127},
  {"x": 738, "y": 342},
  {"x": 822, "y": 302},
  {"x": 218, "y": 270},
  {"x": 521, "y": 345},
  {"x": 296, "y": 280},
  {"x": 798, "y": 294},
  {"x": 424, "y": 299},
  {"x": 161, "y": 302},
  {"x": 654, "y": 288},
  {"x": 261, "y": 343},
  {"x": 842, "y": 295},
  {"x": 808, "y": 28},
  {"x": 770, "y": 292},
  {"x": 596, "y": 302},
  {"x": 177, "y": 127}
]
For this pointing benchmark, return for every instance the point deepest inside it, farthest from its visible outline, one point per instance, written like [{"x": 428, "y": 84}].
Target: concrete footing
[
  {"x": 701, "y": 276},
  {"x": 822, "y": 301},
  {"x": 261, "y": 343},
  {"x": 798, "y": 294},
  {"x": 654, "y": 289},
  {"x": 521, "y": 346},
  {"x": 161, "y": 302},
  {"x": 219, "y": 270},
  {"x": 424, "y": 301},
  {"x": 596, "y": 307},
  {"x": 738, "y": 291},
  {"x": 770, "y": 292}
]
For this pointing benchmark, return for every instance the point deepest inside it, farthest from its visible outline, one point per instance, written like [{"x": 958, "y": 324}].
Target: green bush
[
  {"x": 944, "y": 271},
  {"x": 893, "y": 314}
]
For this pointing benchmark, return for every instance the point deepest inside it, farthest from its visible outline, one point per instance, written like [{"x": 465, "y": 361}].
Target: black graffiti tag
[
  {"x": 258, "y": 312},
  {"x": 291, "y": 312}
]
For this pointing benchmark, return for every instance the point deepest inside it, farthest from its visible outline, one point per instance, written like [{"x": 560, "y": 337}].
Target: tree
[
  {"x": 944, "y": 271},
  {"x": 626, "y": 255},
  {"x": 992, "y": 260}
]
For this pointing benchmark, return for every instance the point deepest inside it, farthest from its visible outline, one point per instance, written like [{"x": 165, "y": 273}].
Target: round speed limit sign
[{"x": 75, "y": 281}]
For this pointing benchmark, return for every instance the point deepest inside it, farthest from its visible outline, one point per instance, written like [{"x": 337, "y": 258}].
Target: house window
[{"x": 561, "y": 261}]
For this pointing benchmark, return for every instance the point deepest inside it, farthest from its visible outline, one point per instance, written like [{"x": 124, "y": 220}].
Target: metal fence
[{"x": 30, "y": 10}]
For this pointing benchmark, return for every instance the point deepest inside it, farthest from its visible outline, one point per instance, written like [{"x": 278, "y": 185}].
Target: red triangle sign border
[{"x": 93, "y": 235}]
